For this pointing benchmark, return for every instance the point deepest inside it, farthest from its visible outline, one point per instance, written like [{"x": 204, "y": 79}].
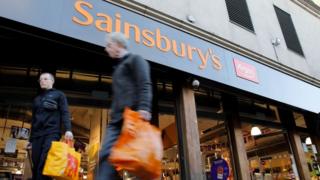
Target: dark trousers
[
  {"x": 40, "y": 148},
  {"x": 105, "y": 170}
]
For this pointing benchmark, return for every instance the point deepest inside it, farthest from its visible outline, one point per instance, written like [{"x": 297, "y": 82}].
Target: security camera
[
  {"x": 195, "y": 83},
  {"x": 275, "y": 41},
  {"x": 191, "y": 19}
]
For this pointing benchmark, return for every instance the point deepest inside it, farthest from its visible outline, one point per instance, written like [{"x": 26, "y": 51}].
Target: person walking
[
  {"x": 49, "y": 113},
  {"x": 131, "y": 87}
]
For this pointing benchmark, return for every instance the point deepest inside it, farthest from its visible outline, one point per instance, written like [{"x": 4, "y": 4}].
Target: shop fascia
[{"x": 149, "y": 38}]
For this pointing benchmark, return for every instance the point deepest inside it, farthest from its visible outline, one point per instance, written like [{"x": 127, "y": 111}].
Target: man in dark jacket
[
  {"x": 49, "y": 112},
  {"x": 131, "y": 87}
]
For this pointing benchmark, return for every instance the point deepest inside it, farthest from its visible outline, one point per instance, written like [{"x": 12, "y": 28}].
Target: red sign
[{"x": 245, "y": 70}]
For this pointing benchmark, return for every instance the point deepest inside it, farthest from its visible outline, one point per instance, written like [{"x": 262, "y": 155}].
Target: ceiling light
[
  {"x": 308, "y": 141},
  {"x": 18, "y": 171},
  {"x": 255, "y": 131}
]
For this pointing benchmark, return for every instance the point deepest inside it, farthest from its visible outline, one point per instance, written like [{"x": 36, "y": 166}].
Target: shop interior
[
  {"x": 213, "y": 134},
  {"x": 269, "y": 153},
  {"x": 268, "y": 150},
  {"x": 87, "y": 110}
]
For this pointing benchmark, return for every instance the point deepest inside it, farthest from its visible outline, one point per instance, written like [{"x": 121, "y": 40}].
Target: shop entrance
[
  {"x": 84, "y": 78},
  {"x": 15, "y": 130},
  {"x": 89, "y": 100},
  {"x": 89, "y": 115},
  {"x": 86, "y": 81}
]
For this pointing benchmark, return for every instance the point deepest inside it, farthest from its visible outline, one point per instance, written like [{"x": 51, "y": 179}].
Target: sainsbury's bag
[
  {"x": 62, "y": 162},
  {"x": 139, "y": 153}
]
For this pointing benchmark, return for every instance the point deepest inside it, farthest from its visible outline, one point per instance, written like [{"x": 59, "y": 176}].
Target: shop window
[
  {"x": 14, "y": 132},
  {"x": 19, "y": 71},
  {"x": 214, "y": 142},
  {"x": 253, "y": 110},
  {"x": 299, "y": 119},
  {"x": 164, "y": 87},
  {"x": 168, "y": 126},
  {"x": 35, "y": 72},
  {"x": 89, "y": 127},
  {"x": 268, "y": 153},
  {"x": 13, "y": 71},
  {"x": 18, "y": 76},
  {"x": 239, "y": 13},
  {"x": 312, "y": 156},
  {"x": 15, "y": 119},
  {"x": 170, "y": 161},
  {"x": 62, "y": 74},
  {"x": 84, "y": 76},
  {"x": 106, "y": 79}
]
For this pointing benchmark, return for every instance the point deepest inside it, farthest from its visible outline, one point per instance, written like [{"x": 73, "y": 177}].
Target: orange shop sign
[{"x": 152, "y": 38}]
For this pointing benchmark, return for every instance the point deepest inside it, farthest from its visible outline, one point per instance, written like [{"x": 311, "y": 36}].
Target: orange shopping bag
[
  {"x": 139, "y": 153},
  {"x": 63, "y": 162}
]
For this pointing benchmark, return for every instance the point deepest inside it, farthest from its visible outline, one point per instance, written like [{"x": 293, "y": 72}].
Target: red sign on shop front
[{"x": 245, "y": 70}]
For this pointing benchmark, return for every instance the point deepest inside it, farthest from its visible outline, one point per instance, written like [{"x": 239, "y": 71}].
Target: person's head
[
  {"x": 116, "y": 45},
  {"x": 46, "y": 80}
]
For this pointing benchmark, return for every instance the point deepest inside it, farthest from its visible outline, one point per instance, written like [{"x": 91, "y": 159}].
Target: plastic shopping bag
[
  {"x": 63, "y": 162},
  {"x": 139, "y": 153}
]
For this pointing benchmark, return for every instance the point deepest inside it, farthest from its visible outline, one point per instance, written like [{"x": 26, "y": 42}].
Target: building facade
[
  {"x": 254, "y": 25},
  {"x": 236, "y": 83}
]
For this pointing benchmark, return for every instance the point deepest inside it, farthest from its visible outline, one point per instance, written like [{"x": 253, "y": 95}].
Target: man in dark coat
[
  {"x": 131, "y": 87},
  {"x": 49, "y": 112}
]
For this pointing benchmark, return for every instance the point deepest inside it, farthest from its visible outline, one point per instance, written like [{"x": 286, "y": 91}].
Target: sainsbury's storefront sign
[
  {"x": 160, "y": 43},
  {"x": 151, "y": 38}
]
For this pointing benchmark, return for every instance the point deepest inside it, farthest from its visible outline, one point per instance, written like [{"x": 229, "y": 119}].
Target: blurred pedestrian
[{"x": 131, "y": 87}]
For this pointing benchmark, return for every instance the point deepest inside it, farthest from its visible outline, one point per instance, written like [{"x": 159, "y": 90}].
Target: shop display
[
  {"x": 20, "y": 132},
  {"x": 170, "y": 164},
  {"x": 219, "y": 169},
  {"x": 312, "y": 158},
  {"x": 273, "y": 166}
]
